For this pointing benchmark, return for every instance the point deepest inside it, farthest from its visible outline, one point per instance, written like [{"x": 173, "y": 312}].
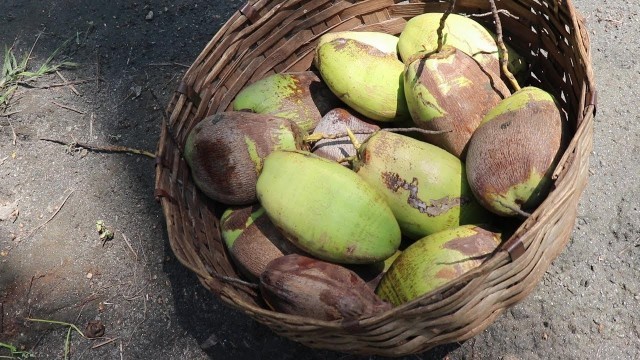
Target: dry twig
[
  {"x": 234, "y": 280},
  {"x": 120, "y": 149},
  {"x": 73, "y": 88},
  {"x": 104, "y": 343},
  {"x": 144, "y": 318},
  {"x": 54, "y": 85},
  {"x": 14, "y": 137},
  {"x": 7, "y": 114},
  {"x": 130, "y": 247},
  {"x": 97, "y": 70},
  {"x": 169, "y": 64},
  {"x": 501, "y": 11},
  {"x": 51, "y": 217},
  {"x": 502, "y": 49},
  {"x": 68, "y": 108},
  {"x": 320, "y": 136},
  {"x": 637, "y": 244},
  {"x": 91, "y": 118}
]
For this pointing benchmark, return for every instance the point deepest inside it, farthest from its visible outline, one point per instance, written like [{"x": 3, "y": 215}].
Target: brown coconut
[
  {"x": 336, "y": 122},
  {"x": 252, "y": 239},
  {"x": 225, "y": 152},
  {"x": 513, "y": 153},
  {"x": 450, "y": 91},
  {"x": 299, "y": 285}
]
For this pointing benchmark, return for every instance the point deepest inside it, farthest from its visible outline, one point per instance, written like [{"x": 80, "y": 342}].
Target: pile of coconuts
[{"x": 387, "y": 170}]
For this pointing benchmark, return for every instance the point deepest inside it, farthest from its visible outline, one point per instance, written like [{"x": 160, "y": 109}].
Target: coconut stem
[
  {"x": 234, "y": 281},
  {"x": 354, "y": 140},
  {"x": 443, "y": 19},
  {"x": 515, "y": 209},
  {"x": 416, "y": 129},
  {"x": 348, "y": 159},
  {"x": 503, "y": 54},
  {"x": 321, "y": 136}
]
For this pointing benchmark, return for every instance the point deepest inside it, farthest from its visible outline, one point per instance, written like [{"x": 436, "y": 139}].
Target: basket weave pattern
[{"x": 266, "y": 37}]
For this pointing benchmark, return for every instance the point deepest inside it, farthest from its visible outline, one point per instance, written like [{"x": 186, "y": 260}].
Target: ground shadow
[{"x": 139, "y": 52}]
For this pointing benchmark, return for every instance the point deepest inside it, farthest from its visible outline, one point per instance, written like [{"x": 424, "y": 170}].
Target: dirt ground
[{"x": 130, "y": 57}]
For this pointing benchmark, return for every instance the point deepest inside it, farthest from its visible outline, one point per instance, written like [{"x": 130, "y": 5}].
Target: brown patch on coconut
[{"x": 477, "y": 246}]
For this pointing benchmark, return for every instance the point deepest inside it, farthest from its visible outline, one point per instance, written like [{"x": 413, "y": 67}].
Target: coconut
[
  {"x": 336, "y": 122},
  {"x": 436, "y": 260},
  {"x": 225, "y": 152},
  {"x": 298, "y": 96},
  {"x": 304, "y": 286},
  {"x": 450, "y": 91},
  {"x": 420, "y": 34},
  {"x": 252, "y": 239},
  {"x": 514, "y": 151}
]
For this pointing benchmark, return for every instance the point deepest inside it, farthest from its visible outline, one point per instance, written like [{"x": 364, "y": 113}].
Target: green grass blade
[
  {"x": 8, "y": 347},
  {"x": 67, "y": 344},
  {"x": 5, "y": 62},
  {"x": 28, "y": 74},
  {"x": 6, "y": 95}
]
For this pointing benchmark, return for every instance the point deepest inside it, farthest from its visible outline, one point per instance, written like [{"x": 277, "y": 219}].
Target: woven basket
[{"x": 266, "y": 37}]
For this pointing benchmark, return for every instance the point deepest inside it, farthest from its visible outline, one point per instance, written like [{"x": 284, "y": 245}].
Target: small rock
[
  {"x": 210, "y": 342},
  {"x": 94, "y": 329},
  {"x": 89, "y": 275},
  {"x": 518, "y": 313},
  {"x": 149, "y": 16},
  {"x": 136, "y": 91}
]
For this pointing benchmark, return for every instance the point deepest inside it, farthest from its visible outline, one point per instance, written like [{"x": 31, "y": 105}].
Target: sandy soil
[{"x": 53, "y": 264}]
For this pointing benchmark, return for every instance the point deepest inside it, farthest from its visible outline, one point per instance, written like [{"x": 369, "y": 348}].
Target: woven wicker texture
[{"x": 266, "y": 37}]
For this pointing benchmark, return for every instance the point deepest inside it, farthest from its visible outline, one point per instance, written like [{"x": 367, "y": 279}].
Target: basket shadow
[{"x": 218, "y": 328}]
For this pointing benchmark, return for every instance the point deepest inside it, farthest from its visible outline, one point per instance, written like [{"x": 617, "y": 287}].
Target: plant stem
[
  {"x": 503, "y": 54},
  {"x": 443, "y": 19},
  {"x": 354, "y": 140},
  {"x": 67, "y": 344},
  {"x": 72, "y": 326},
  {"x": 121, "y": 149}
]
